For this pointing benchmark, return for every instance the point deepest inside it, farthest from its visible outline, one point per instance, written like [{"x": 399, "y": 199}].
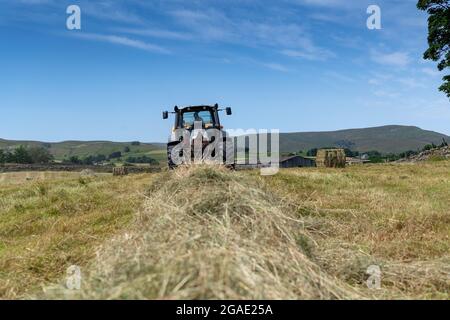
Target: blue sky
[{"x": 293, "y": 65}]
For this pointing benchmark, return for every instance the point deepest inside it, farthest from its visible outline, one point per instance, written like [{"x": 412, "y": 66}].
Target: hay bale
[
  {"x": 331, "y": 158},
  {"x": 120, "y": 171}
]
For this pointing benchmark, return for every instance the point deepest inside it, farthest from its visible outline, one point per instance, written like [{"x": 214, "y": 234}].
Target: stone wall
[{"x": 71, "y": 168}]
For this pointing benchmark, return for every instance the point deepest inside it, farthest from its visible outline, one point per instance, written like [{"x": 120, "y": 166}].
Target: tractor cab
[{"x": 185, "y": 118}]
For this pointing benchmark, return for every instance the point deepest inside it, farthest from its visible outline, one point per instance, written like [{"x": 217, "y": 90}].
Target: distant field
[
  {"x": 81, "y": 149},
  {"x": 159, "y": 155},
  {"x": 214, "y": 233},
  {"x": 84, "y": 149},
  {"x": 24, "y": 178}
]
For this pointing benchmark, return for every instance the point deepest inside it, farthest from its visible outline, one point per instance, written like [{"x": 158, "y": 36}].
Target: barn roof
[{"x": 284, "y": 159}]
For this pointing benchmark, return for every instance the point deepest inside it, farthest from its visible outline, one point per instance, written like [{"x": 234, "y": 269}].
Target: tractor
[{"x": 198, "y": 137}]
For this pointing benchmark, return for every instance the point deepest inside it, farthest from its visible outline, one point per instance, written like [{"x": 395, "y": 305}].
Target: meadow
[{"x": 207, "y": 232}]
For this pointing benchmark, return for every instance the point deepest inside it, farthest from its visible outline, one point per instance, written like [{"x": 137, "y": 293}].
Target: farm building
[
  {"x": 296, "y": 161},
  {"x": 353, "y": 161}
]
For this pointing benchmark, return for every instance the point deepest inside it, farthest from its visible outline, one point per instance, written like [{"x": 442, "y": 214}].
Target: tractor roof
[{"x": 195, "y": 108}]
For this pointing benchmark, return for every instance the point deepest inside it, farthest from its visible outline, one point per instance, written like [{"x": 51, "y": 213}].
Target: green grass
[{"x": 49, "y": 224}]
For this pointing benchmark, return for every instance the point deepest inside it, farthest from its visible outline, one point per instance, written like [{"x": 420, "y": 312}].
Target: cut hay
[
  {"x": 209, "y": 233},
  {"x": 87, "y": 173},
  {"x": 331, "y": 158}
]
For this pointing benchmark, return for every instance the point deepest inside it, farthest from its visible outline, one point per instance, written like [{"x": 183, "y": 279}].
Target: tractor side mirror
[
  {"x": 165, "y": 115},
  {"x": 228, "y": 111}
]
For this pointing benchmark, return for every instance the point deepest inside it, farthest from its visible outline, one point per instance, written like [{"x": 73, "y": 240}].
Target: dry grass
[
  {"x": 48, "y": 224},
  {"x": 211, "y": 233},
  {"x": 208, "y": 233},
  {"x": 23, "y": 178},
  {"x": 394, "y": 216}
]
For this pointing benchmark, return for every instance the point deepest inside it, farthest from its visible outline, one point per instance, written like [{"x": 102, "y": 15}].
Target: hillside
[
  {"x": 301, "y": 234},
  {"x": 66, "y": 149},
  {"x": 386, "y": 139}
]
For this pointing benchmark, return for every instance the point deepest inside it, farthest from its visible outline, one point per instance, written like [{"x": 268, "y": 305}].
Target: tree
[
  {"x": 25, "y": 155},
  {"x": 75, "y": 160},
  {"x": 100, "y": 158},
  {"x": 312, "y": 152},
  {"x": 438, "y": 36},
  {"x": 46, "y": 145},
  {"x": 3, "y": 156},
  {"x": 93, "y": 160},
  {"x": 126, "y": 149},
  {"x": 407, "y": 154},
  {"x": 350, "y": 153},
  {"x": 375, "y": 156},
  {"x": 21, "y": 155},
  {"x": 89, "y": 160},
  {"x": 429, "y": 147},
  {"x": 141, "y": 159},
  {"x": 39, "y": 155}
]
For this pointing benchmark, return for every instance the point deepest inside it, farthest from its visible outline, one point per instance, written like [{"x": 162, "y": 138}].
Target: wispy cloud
[
  {"x": 394, "y": 59},
  {"x": 35, "y": 1},
  {"x": 321, "y": 3},
  {"x": 209, "y": 24},
  {"x": 275, "y": 67},
  {"x": 156, "y": 33},
  {"x": 335, "y": 4},
  {"x": 339, "y": 76},
  {"x": 124, "y": 41},
  {"x": 351, "y": 42},
  {"x": 379, "y": 79},
  {"x": 290, "y": 39},
  {"x": 111, "y": 11},
  {"x": 309, "y": 54},
  {"x": 431, "y": 72},
  {"x": 385, "y": 93},
  {"x": 411, "y": 83}
]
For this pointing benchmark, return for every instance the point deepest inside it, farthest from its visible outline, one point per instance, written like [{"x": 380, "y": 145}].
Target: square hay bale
[
  {"x": 120, "y": 171},
  {"x": 331, "y": 158}
]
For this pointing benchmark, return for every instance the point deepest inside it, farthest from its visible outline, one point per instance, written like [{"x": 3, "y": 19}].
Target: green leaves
[{"x": 438, "y": 36}]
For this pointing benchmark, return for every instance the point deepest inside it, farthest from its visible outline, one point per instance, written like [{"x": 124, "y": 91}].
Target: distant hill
[
  {"x": 66, "y": 149},
  {"x": 386, "y": 139}
]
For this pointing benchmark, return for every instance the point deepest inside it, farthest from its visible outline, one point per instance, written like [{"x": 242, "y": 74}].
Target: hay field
[
  {"x": 56, "y": 219},
  {"x": 208, "y": 232},
  {"x": 21, "y": 178}
]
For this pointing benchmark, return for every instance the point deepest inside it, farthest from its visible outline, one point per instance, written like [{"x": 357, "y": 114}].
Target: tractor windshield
[{"x": 204, "y": 116}]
